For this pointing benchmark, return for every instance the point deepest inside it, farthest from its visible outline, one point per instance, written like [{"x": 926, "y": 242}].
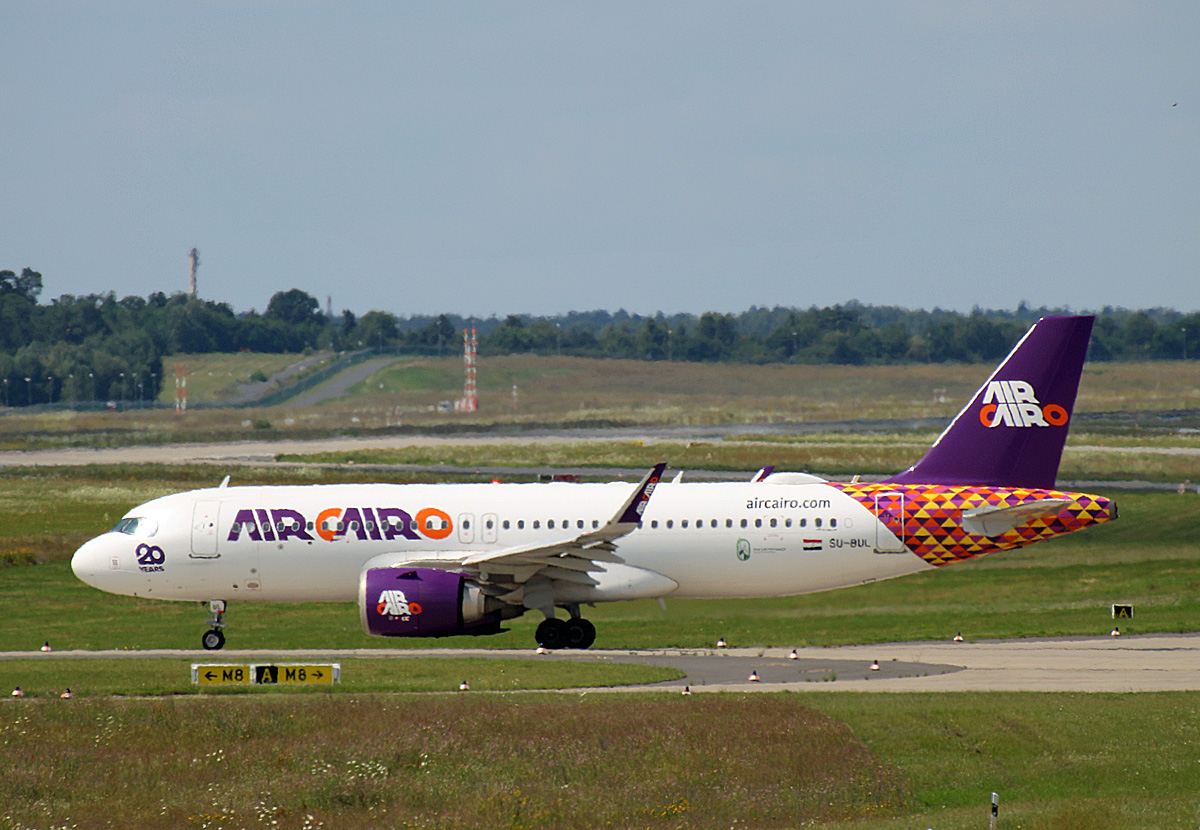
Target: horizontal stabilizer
[{"x": 996, "y": 521}]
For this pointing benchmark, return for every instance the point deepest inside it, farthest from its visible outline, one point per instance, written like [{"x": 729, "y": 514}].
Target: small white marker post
[{"x": 995, "y": 811}]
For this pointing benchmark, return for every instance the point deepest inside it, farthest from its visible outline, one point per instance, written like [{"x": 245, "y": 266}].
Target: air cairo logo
[
  {"x": 393, "y": 603},
  {"x": 641, "y": 505},
  {"x": 1014, "y": 404},
  {"x": 378, "y": 524}
]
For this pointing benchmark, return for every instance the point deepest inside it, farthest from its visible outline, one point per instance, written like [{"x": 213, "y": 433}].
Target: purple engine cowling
[{"x": 422, "y": 602}]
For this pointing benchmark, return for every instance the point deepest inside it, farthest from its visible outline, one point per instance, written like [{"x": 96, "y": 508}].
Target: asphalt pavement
[{"x": 1146, "y": 663}]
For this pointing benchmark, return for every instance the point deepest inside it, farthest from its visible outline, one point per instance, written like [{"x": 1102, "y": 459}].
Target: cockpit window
[{"x": 135, "y": 526}]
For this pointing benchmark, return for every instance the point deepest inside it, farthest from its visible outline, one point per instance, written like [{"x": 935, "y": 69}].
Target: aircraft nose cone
[{"x": 92, "y": 561}]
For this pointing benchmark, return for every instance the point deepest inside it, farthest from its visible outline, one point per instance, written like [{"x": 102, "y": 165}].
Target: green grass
[
  {"x": 1057, "y": 760},
  {"x": 783, "y": 760},
  {"x": 364, "y": 758},
  {"x": 554, "y": 391},
  {"x": 215, "y": 376},
  {"x": 354, "y": 758},
  {"x": 829, "y": 454},
  {"x": 464, "y": 761},
  {"x": 1061, "y": 587},
  {"x": 48, "y": 676}
]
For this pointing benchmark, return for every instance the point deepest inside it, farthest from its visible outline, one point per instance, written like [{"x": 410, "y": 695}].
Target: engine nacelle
[{"x": 422, "y": 602}]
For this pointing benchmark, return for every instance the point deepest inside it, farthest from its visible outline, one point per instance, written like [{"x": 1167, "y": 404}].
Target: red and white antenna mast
[
  {"x": 181, "y": 376},
  {"x": 469, "y": 401}
]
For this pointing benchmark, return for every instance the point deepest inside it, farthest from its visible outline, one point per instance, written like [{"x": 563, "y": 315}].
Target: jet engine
[{"x": 424, "y": 602}]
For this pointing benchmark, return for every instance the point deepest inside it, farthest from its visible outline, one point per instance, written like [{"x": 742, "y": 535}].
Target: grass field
[
  {"x": 554, "y": 391},
  {"x": 386, "y": 750},
  {"x": 1064, "y": 586},
  {"x": 49, "y": 676},
  {"x": 353, "y": 758},
  {"x": 871, "y": 761},
  {"x": 214, "y": 377},
  {"x": 829, "y": 454}
]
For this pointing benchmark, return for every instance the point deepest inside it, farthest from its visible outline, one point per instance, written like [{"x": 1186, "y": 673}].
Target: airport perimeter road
[{"x": 1108, "y": 664}]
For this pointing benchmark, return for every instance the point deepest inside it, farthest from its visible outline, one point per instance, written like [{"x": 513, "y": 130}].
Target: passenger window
[
  {"x": 654, "y": 523},
  {"x": 579, "y": 524},
  {"x": 818, "y": 523},
  {"x": 466, "y": 524},
  {"x": 550, "y": 524},
  {"x": 833, "y": 522},
  {"x": 536, "y": 524},
  {"x": 521, "y": 524},
  {"x": 683, "y": 523},
  {"x": 787, "y": 522},
  {"x": 772, "y": 523},
  {"x": 595, "y": 523},
  {"x": 804, "y": 523},
  {"x": 670, "y": 524},
  {"x": 490, "y": 524},
  {"x": 504, "y": 524},
  {"x": 758, "y": 522},
  {"x": 729, "y": 523},
  {"x": 744, "y": 523},
  {"x": 713, "y": 523}
]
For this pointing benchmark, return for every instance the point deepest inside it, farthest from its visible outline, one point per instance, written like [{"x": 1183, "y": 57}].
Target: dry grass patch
[{"x": 437, "y": 761}]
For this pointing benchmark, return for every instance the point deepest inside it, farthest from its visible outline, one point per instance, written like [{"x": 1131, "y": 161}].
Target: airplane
[{"x": 429, "y": 560}]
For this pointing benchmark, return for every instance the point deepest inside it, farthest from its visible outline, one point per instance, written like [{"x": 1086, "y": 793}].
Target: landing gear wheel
[
  {"x": 552, "y": 633},
  {"x": 580, "y": 633},
  {"x": 213, "y": 640}
]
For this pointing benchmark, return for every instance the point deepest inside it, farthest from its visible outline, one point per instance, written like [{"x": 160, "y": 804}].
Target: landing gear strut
[
  {"x": 215, "y": 638},
  {"x": 576, "y": 632}
]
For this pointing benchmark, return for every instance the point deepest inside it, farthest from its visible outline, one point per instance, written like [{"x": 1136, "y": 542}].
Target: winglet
[
  {"x": 631, "y": 512},
  {"x": 763, "y": 473}
]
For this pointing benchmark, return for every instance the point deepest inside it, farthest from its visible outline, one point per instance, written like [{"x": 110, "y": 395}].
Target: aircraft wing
[
  {"x": 996, "y": 521},
  {"x": 569, "y": 559}
]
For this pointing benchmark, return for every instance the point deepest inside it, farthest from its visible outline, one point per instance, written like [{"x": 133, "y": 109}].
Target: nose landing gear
[{"x": 215, "y": 638}]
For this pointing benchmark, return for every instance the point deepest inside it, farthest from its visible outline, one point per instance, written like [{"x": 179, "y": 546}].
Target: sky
[{"x": 541, "y": 157}]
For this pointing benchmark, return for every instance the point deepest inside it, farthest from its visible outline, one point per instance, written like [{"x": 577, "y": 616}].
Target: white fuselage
[{"x": 704, "y": 540}]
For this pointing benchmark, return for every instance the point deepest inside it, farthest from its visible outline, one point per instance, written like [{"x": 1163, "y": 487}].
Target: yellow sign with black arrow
[
  {"x": 220, "y": 674},
  {"x": 309, "y": 673}
]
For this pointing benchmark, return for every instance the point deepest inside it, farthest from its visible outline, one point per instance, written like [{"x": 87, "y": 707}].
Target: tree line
[{"x": 95, "y": 347}]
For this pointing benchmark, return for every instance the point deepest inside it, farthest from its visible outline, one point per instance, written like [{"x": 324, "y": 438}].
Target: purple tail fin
[{"x": 1012, "y": 432}]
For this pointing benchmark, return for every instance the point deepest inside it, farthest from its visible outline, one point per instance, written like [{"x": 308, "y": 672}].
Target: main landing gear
[
  {"x": 576, "y": 632},
  {"x": 215, "y": 638}
]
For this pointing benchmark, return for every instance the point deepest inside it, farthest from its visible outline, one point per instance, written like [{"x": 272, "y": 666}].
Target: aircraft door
[
  {"x": 489, "y": 529},
  {"x": 204, "y": 529},
  {"x": 466, "y": 528},
  {"x": 889, "y": 527}
]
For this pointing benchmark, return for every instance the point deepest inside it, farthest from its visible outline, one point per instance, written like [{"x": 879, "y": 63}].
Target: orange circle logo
[
  {"x": 429, "y": 529},
  {"x": 1055, "y": 414}
]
